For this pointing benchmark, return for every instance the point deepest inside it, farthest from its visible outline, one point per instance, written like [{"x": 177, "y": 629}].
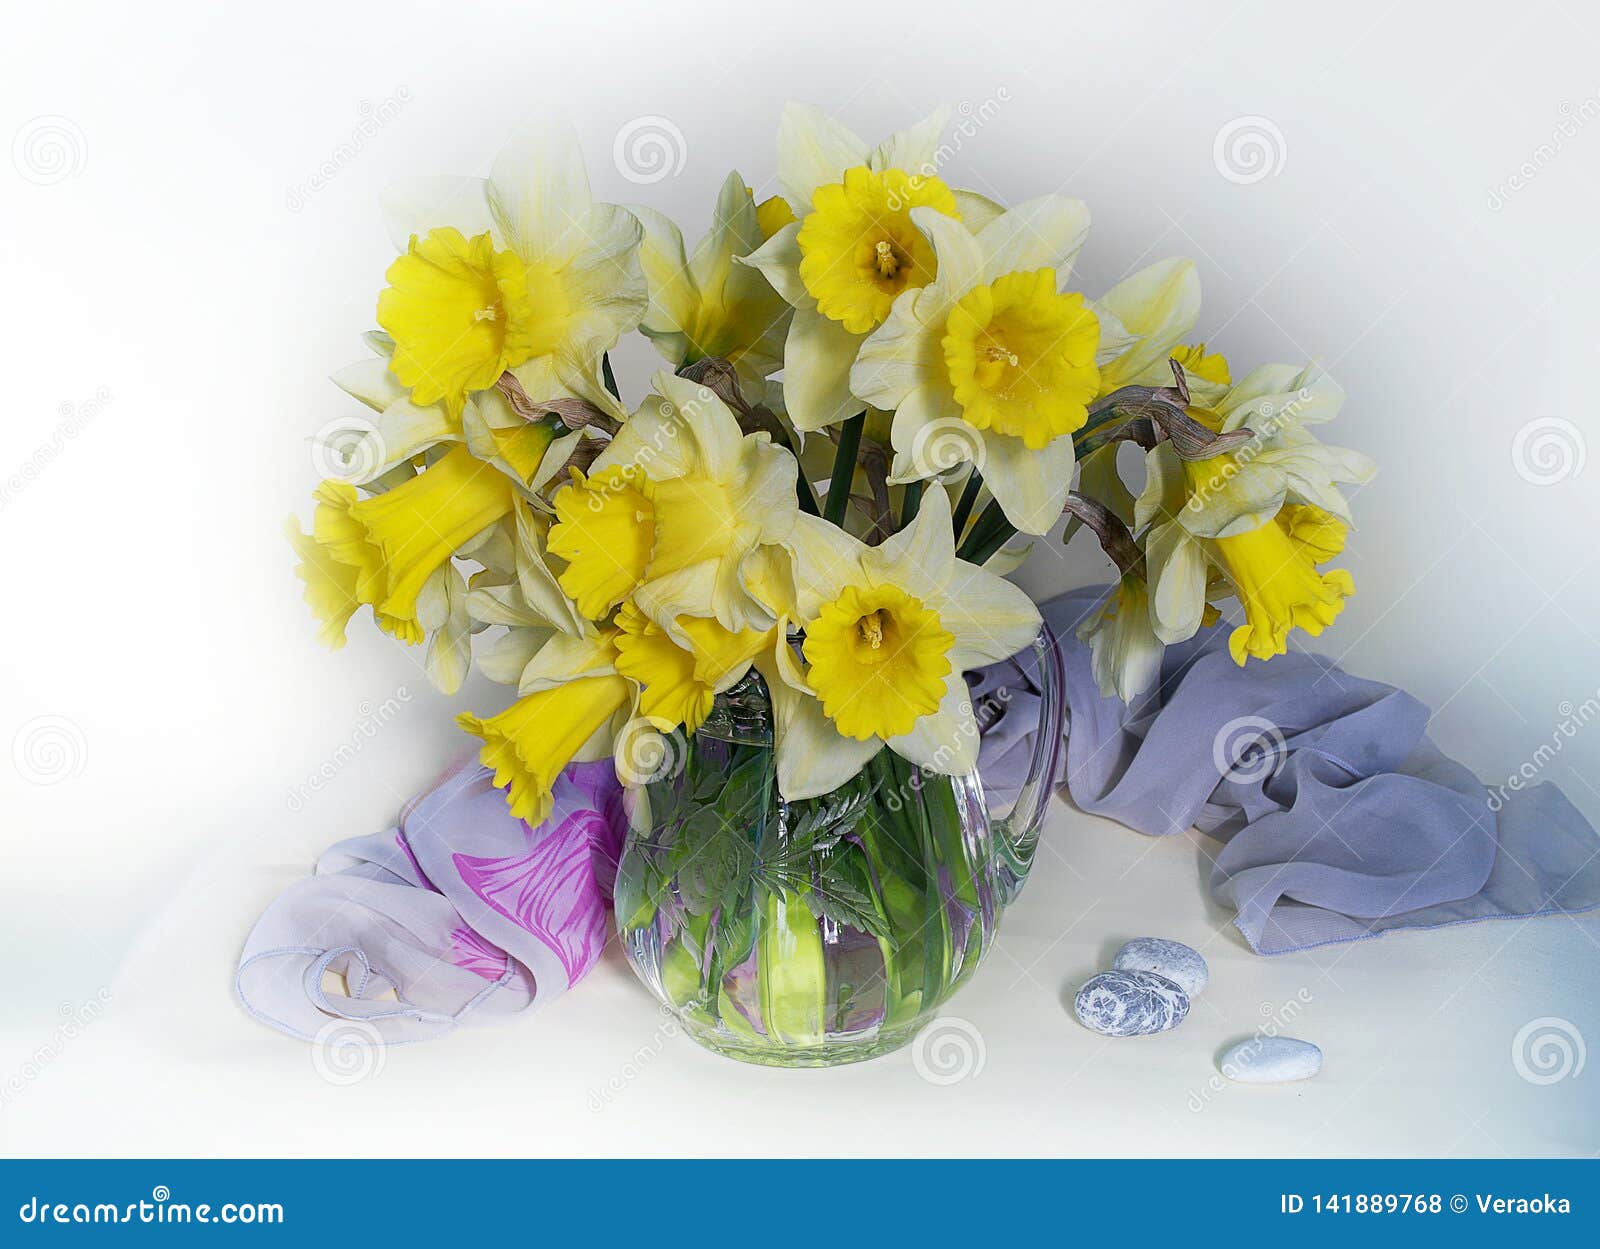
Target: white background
[{"x": 192, "y": 243}]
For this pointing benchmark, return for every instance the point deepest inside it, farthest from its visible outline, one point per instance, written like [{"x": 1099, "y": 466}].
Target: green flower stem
[
  {"x": 911, "y": 503},
  {"x": 844, "y": 468},
  {"x": 989, "y": 534},
  {"x": 792, "y": 974},
  {"x": 808, "y": 496},
  {"x": 964, "y": 505},
  {"x": 609, "y": 377}
]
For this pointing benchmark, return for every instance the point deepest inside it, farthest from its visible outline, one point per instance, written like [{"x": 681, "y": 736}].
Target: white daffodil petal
[
  {"x": 1125, "y": 653},
  {"x": 826, "y": 559},
  {"x": 766, "y": 491},
  {"x": 433, "y": 600},
  {"x": 1032, "y": 486},
  {"x": 768, "y": 576},
  {"x": 496, "y": 603},
  {"x": 372, "y": 382},
  {"x": 1224, "y": 505},
  {"x": 814, "y": 758},
  {"x": 1164, "y": 489},
  {"x": 652, "y": 439},
  {"x": 921, "y": 557},
  {"x": 1176, "y": 567},
  {"x": 991, "y": 618},
  {"x": 538, "y": 584},
  {"x": 813, "y": 150},
  {"x": 778, "y": 260},
  {"x": 914, "y": 149},
  {"x": 791, "y": 671},
  {"x": 496, "y": 549},
  {"x": 930, "y": 436},
  {"x": 707, "y": 420},
  {"x": 1044, "y": 233},
  {"x": 503, "y": 659},
  {"x": 1160, "y": 304},
  {"x": 816, "y": 371},
  {"x": 735, "y": 231},
  {"x": 900, "y": 355},
  {"x": 666, "y": 272},
  {"x": 399, "y": 433},
  {"x": 976, "y": 210},
  {"x": 1265, "y": 381},
  {"x": 449, "y": 653},
  {"x": 1310, "y": 398},
  {"x": 564, "y": 658},
  {"x": 944, "y": 741},
  {"x": 961, "y": 262},
  {"x": 539, "y": 194},
  {"x": 416, "y": 206},
  {"x": 1099, "y": 479},
  {"x": 1008, "y": 559}
]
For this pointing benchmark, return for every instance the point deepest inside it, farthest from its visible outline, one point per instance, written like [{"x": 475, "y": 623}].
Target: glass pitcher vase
[{"x": 826, "y": 930}]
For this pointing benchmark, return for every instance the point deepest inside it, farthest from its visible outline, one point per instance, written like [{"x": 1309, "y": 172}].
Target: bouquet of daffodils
[{"x": 874, "y": 382}]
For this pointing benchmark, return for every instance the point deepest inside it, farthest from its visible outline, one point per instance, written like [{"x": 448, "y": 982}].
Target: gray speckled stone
[
  {"x": 1172, "y": 959},
  {"x": 1271, "y": 1060},
  {"x": 1130, "y": 1003}
]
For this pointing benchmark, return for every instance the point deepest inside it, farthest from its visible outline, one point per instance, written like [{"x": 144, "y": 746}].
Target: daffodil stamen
[
  {"x": 871, "y": 627},
  {"x": 888, "y": 262}
]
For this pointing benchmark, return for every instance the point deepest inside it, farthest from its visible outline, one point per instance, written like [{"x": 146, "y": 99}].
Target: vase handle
[{"x": 1018, "y": 832}]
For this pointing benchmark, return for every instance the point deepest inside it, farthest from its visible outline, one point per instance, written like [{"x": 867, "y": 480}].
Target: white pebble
[
  {"x": 1172, "y": 959},
  {"x": 1271, "y": 1060}
]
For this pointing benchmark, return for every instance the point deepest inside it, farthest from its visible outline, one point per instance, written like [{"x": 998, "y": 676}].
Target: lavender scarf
[{"x": 1339, "y": 819}]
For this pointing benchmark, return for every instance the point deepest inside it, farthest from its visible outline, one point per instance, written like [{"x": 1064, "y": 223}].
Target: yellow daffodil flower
[
  {"x": 528, "y": 744},
  {"x": 330, "y": 587},
  {"x": 1261, "y": 517},
  {"x": 705, "y": 304},
  {"x": 572, "y": 698},
  {"x": 889, "y": 632},
  {"x": 992, "y": 362},
  {"x": 677, "y": 684},
  {"x": 522, "y": 272},
  {"x": 394, "y": 541},
  {"x": 674, "y": 513},
  {"x": 1280, "y": 589},
  {"x": 853, "y": 247}
]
